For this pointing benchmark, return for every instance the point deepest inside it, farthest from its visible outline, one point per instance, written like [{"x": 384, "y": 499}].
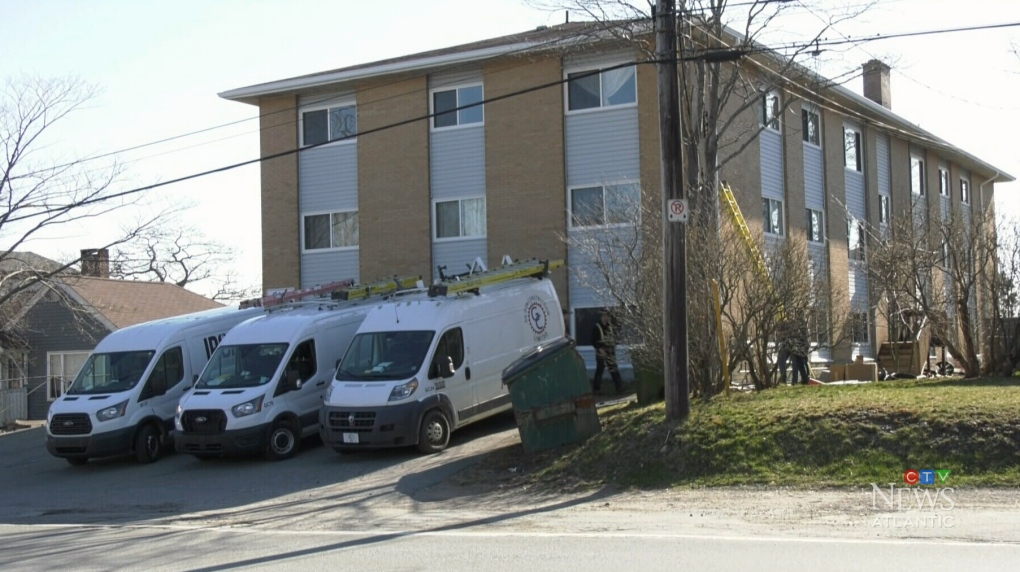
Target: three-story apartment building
[{"x": 388, "y": 167}]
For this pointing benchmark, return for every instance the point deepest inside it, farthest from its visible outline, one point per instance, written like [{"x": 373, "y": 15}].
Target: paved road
[{"x": 396, "y": 510}]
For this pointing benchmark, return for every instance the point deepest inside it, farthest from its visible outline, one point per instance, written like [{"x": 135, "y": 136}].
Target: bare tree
[
  {"x": 39, "y": 193},
  {"x": 174, "y": 252},
  {"x": 622, "y": 267},
  {"x": 934, "y": 266}
]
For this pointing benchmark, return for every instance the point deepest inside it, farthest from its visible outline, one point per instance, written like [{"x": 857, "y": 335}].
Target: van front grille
[
  {"x": 352, "y": 420},
  {"x": 205, "y": 421},
  {"x": 71, "y": 424}
]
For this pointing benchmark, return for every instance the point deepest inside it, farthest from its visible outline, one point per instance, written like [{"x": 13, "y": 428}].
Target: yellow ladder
[
  {"x": 745, "y": 235},
  {"x": 508, "y": 271},
  {"x": 378, "y": 288}
]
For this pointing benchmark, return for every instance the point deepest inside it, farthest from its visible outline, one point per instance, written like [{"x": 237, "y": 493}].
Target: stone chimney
[
  {"x": 876, "y": 83},
  {"x": 95, "y": 262}
]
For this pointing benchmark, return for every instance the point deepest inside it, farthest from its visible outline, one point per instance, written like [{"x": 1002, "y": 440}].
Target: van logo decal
[
  {"x": 68, "y": 423},
  {"x": 350, "y": 420},
  {"x": 537, "y": 315},
  {"x": 200, "y": 420}
]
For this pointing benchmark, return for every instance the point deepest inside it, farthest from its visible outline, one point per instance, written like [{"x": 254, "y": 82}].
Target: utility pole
[{"x": 674, "y": 316}]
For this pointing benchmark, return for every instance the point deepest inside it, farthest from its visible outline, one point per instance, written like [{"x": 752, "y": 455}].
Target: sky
[{"x": 159, "y": 66}]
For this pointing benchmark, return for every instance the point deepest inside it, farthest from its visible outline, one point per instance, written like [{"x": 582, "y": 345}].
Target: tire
[
  {"x": 283, "y": 441},
  {"x": 77, "y": 461},
  {"x": 434, "y": 434},
  {"x": 148, "y": 444}
]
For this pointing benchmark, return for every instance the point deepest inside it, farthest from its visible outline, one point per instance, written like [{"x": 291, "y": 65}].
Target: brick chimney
[
  {"x": 876, "y": 83},
  {"x": 95, "y": 262}
]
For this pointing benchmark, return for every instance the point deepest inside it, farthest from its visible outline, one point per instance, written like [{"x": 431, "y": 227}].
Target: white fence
[{"x": 13, "y": 405}]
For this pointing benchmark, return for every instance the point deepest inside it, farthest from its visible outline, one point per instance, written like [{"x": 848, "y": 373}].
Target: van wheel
[
  {"x": 435, "y": 432},
  {"x": 283, "y": 441},
  {"x": 77, "y": 461},
  {"x": 148, "y": 444}
]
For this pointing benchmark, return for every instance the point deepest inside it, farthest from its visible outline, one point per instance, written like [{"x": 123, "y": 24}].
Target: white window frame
[
  {"x": 456, "y": 89},
  {"x": 459, "y": 200},
  {"x": 766, "y": 223},
  {"x": 821, "y": 227},
  {"x": 920, "y": 191},
  {"x": 858, "y": 167},
  {"x": 811, "y": 110},
  {"x": 860, "y": 253},
  {"x": 854, "y": 329},
  {"x": 945, "y": 187},
  {"x": 599, "y": 107},
  {"x": 19, "y": 376},
  {"x": 605, "y": 224},
  {"x": 884, "y": 209},
  {"x": 774, "y": 122},
  {"x": 964, "y": 190},
  {"x": 331, "y": 248},
  {"x": 326, "y": 105},
  {"x": 65, "y": 381}
]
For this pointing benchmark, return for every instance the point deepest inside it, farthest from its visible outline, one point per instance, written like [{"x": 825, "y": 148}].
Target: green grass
[{"x": 804, "y": 436}]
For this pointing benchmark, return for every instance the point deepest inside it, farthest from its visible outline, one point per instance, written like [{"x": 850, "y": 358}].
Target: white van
[
  {"x": 262, "y": 389},
  {"x": 123, "y": 399},
  {"x": 421, "y": 366}
]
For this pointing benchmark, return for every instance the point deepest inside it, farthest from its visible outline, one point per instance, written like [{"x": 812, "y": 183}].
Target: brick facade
[{"x": 281, "y": 248}]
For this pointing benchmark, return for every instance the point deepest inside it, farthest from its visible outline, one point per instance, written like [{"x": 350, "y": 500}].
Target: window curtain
[
  {"x": 345, "y": 229},
  {"x": 618, "y": 87},
  {"x": 472, "y": 216}
]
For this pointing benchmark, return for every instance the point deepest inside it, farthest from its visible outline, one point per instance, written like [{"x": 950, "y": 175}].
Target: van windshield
[
  {"x": 385, "y": 355},
  {"x": 248, "y": 365},
  {"x": 111, "y": 373}
]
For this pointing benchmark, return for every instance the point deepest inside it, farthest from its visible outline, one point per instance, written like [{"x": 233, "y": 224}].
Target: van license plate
[{"x": 350, "y": 437}]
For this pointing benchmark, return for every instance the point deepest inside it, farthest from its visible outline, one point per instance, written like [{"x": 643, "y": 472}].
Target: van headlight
[
  {"x": 112, "y": 412},
  {"x": 404, "y": 390},
  {"x": 329, "y": 392},
  {"x": 248, "y": 407}
]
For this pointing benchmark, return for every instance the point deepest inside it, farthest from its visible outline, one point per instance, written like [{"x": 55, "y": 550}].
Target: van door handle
[
  {"x": 467, "y": 373},
  {"x": 321, "y": 383}
]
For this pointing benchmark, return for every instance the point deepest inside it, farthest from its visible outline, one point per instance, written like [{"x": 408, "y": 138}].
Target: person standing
[
  {"x": 605, "y": 353},
  {"x": 783, "y": 339},
  {"x": 799, "y": 350}
]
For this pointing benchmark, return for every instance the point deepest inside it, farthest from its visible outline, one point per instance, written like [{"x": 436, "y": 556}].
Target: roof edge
[{"x": 251, "y": 93}]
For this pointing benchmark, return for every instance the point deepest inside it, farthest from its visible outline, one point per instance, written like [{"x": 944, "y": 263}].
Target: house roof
[
  {"x": 15, "y": 261},
  {"x": 127, "y": 302},
  {"x": 557, "y": 37}
]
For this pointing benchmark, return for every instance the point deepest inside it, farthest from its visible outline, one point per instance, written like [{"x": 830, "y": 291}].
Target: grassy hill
[{"x": 803, "y": 436}]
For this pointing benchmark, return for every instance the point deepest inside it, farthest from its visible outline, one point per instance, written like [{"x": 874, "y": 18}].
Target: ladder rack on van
[
  {"x": 511, "y": 271},
  {"x": 272, "y": 300},
  {"x": 378, "y": 288}
]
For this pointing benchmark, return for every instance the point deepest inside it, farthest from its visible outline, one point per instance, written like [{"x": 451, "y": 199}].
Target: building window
[
  {"x": 605, "y": 204},
  {"x": 965, "y": 191},
  {"x": 446, "y": 102},
  {"x": 917, "y": 176},
  {"x": 588, "y": 90},
  {"x": 13, "y": 369},
  {"x": 61, "y": 369},
  {"x": 772, "y": 216},
  {"x": 810, "y": 125},
  {"x": 883, "y": 208},
  {"x": 856, "y": 238},
  {"x": 943, "y": 182},
  {"x": 859, "y": 328},
  {"x": 852, "y": 149},
  {"x": 322, "y": 125},
  {"x": 460, "y": 218},
  {"x": 770, "y": 110},
  {"x": 324, "y": 231},
  {"x": 816, "y": 226}
]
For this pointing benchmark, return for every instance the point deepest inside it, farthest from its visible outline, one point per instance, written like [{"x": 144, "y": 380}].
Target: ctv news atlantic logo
[{"x": 923, "y": 503}]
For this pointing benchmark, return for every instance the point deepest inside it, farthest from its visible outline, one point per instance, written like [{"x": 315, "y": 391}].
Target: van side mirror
[
  {"x": 292, "y": 380},
  {"x": 446, "y": 370}
]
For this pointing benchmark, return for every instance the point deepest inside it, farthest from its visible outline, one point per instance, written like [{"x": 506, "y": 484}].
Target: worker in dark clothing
[
  {"x": 799, "y": 350},
  {"x": 605, "y": 353}
]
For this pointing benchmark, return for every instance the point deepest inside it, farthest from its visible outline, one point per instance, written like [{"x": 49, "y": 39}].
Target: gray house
[{"x": 59, "y": 324}]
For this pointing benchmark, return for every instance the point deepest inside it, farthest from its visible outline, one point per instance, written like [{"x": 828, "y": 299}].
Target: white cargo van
[
  {"x": 421, "y": 366},
  {"x": 262, "y": 389},
  {"x": 123, "y": 399}
]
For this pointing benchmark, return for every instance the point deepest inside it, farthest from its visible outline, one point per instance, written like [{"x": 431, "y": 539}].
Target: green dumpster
[
  {"x": 648, "y": 380},
  {"x": 552, "y": 398}
]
